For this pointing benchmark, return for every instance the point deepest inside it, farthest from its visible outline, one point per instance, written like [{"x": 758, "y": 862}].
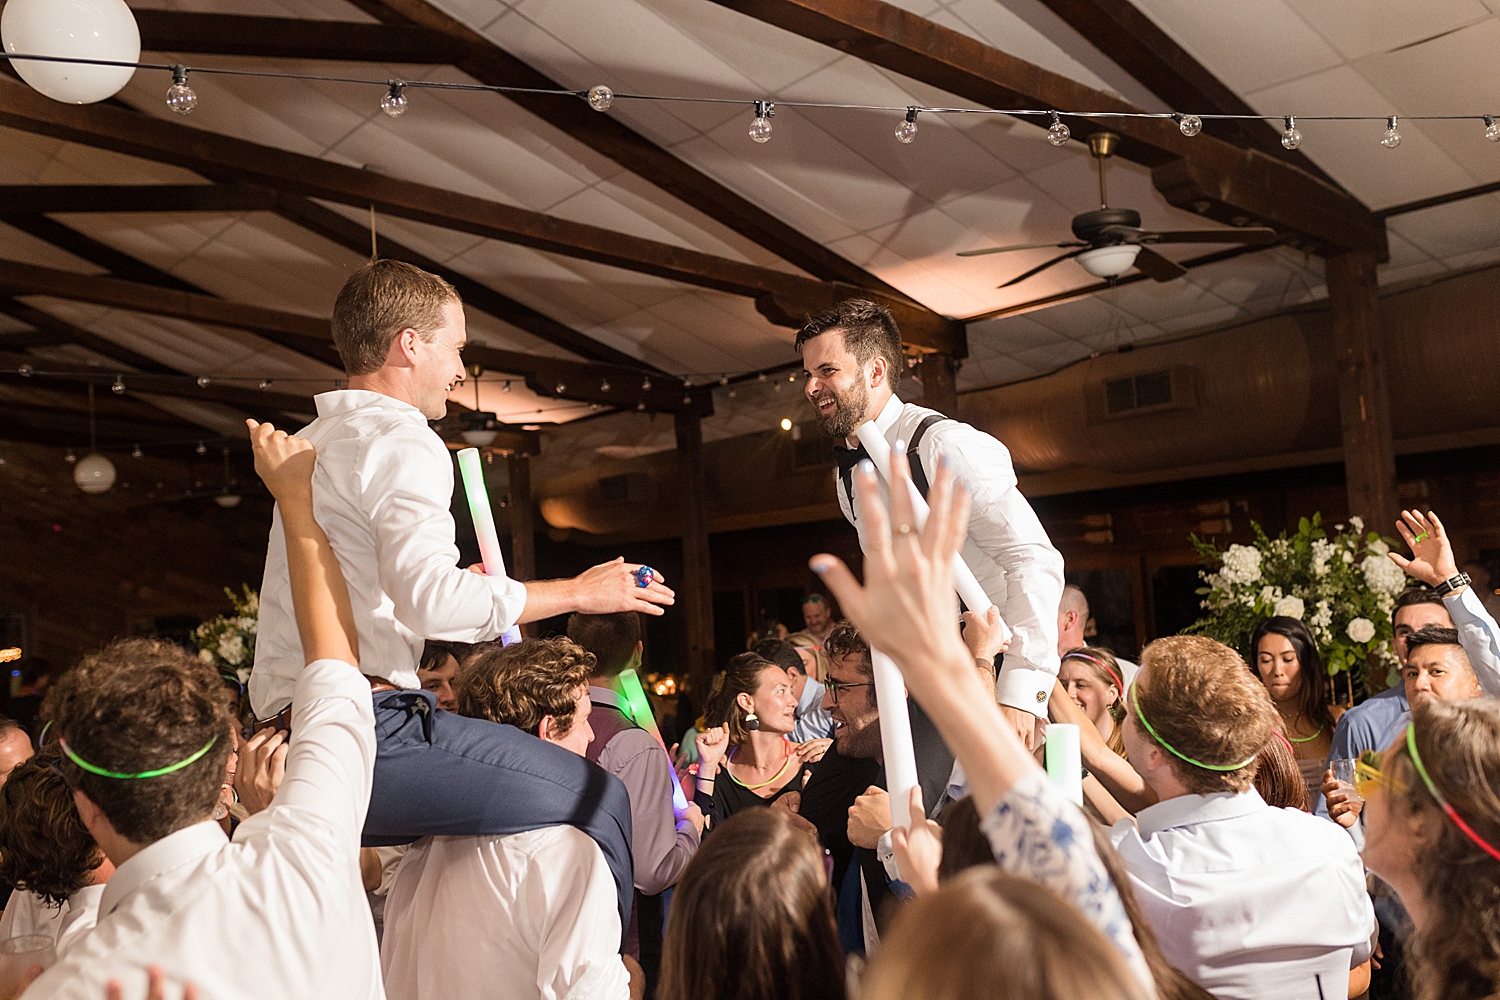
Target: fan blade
[
  {"x": 1157, "y": 267},
  {"x": 1250, "y": 234},
  {"x": 1023, "y": 246},
  {"x": 1041, "y": 267}
]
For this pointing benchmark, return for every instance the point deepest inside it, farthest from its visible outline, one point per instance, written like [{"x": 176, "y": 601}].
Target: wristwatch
[{"x": 1451, "y": 584}]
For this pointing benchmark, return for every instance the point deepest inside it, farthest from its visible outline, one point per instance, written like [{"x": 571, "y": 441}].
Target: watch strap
[{"x": 1451, "y": 584}]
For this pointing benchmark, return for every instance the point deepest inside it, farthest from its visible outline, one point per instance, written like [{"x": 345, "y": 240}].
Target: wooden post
[
  {"x": 695, "y": 589},
  {"x": 522, "y": 527},
  {"x": 939, "y": 389},
  {"x": 1364, "y": 403}
]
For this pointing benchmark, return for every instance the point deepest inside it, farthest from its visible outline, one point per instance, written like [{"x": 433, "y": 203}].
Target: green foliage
[
  {"x": 1341, "y": 586},
  {"x": 228, "y": 641}
]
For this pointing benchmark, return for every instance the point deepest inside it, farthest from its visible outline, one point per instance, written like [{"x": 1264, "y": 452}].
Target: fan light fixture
[{"x": 1109, "y": 262}]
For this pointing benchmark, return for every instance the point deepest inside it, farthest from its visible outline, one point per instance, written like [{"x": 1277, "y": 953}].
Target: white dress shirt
[
  {"x": 1007, "y": 547},
  {"x": 530, "y": 915},
  {"x": 1479, "y": 635},
  {"x": 280, "y": 910},
  {"x": 1251, "y": 902},
  {"x": 381, "y": 492}
]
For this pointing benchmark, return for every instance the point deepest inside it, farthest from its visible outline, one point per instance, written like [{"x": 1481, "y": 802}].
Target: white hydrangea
[
  {"x": 1322, "y": 615},
  {"x": 1382, "y": 575},
  {"x": 206, "y": 655},
  {"x": 1358, "y": 524},
  {"x": 1379, "y": 547},
  {"x": 1361, "y": 630},
  {"x": 1348, "y": 556},
  {"x": 1322, "y": 551},
  {"x": 1270, "y": 595},
  {"x": 1241, "y": 564},
  {"x": 1290, "y": 607},
  {"x": 232, "y": 649},
  {"x": 1385, "y": 602},
  {"x": 1281, "y": 547}
]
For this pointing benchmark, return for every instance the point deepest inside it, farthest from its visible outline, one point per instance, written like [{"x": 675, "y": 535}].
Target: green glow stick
[{"x": 640, "y": 711}]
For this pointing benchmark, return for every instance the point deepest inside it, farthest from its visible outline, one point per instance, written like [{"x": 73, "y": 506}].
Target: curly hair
[
  {"x": 1455, "y": 955},
  {"x": 44, "y": 847},
  {"x": 138, "y": 705},
  {"x": 741, "y": 676},
  {"x": 520, "y": 684},
  {"x": 1202, "y": 700},
  {"x": 845, "y": 640}
]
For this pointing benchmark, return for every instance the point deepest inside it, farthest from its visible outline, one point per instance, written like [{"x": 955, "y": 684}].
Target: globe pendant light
[
  {"x": 93, "y": 473},
  {"x": 79, "y": 29}
]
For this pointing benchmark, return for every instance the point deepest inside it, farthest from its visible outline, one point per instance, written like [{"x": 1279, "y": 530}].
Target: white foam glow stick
[
  {"x": 472, "y": 471},
  {"x": 1065, "y": 760},
  {"x": 964, "y": 580},
  {"x": 895, "y": 738}
]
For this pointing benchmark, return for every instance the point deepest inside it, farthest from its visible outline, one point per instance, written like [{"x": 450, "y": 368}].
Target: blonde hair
[
  {"x": 379, "y": 301},
  {"x": 1106, "y": 670},
  {"x": 804, "y": 640},
  {"x": 1205, "y": 704},
  {"x": 990, "y": 935}
]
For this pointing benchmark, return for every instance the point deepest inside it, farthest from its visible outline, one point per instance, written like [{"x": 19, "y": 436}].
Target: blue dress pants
[{"x": 440, "y": 774}]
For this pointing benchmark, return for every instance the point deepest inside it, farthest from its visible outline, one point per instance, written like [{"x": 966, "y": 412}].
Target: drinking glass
[
  {"x": 17, "y": 955},
  {"x": 1343, "y": 772}
]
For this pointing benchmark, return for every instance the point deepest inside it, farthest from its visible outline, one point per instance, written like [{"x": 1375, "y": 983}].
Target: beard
[{"x": 848, "y": 410}]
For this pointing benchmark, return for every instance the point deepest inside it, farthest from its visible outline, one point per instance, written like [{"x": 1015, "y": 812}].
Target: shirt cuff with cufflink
[{"x": 1025, "y": 689}]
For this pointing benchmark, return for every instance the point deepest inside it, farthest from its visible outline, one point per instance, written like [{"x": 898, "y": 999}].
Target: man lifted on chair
[{"x": 852, "y": 358}]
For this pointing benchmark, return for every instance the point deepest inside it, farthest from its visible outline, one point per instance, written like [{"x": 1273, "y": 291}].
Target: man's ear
[
  {"x": 879, "y": 371},
  {"x": 403, "y": 352},
  {"x": 546, "y": 728},
  {"x": 93, "y": 817}
]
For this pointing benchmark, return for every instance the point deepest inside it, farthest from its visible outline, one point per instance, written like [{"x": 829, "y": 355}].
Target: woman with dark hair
[
  {"x": 752, "y": 917},
  {"x": 744, "y": 756},
  {"x": 1432, "y": 830},
  {"x": 1277, "y": 777},
  {"x": 1287, "y": 662}
]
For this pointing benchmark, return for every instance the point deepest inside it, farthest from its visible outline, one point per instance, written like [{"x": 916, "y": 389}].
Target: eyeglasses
[
  {"x": 1368, "y": 776},
  {"x": 834, "y": 687}
]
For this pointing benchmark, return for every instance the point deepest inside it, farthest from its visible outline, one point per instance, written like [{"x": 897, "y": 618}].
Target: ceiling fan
[{"x": 1110, "y": 241}]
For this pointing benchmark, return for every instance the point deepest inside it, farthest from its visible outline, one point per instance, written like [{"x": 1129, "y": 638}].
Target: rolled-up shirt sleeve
[
  {"x": 1006, "y": 530},
  {"x": 406, "y": 489}
]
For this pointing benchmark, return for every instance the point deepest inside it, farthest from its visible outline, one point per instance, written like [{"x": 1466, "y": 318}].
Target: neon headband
[
  {"x": 1286, "y": 742},
  {"x": 154, "y": 773},
  {"x": 1177, "y": 753},
  {"x": 1093, "y": 659},
  {"x": 1416, "y": 758}
]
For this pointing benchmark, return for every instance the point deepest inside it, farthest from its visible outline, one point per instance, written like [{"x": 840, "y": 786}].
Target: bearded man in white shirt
[
  {"x": 383, "y": 488},
  {"x": 144, "y": 728},
  {"x": 853, "y": 361},
  {"x": 529, "y": 916},
  {"x": 1248, "y": 900}
]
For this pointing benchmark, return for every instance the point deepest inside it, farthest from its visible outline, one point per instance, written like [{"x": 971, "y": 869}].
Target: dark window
[{"x": 1138, "y": 392}]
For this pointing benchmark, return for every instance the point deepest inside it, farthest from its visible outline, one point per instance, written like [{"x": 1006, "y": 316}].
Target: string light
[
  {"x": 135, "y": 452},
  {"x": 506, "y": 386},
  {"x": 760, "y": 377},
  {"x": 907, "y": 130},
  {"x": 760, "y": 128},
  {"x": 560, "y": 389},
  {"x": 26, "y": 371},
  {"x": 202, "y": 448},
  {"x": 604, "y": 386},
  {"x": 203, "y": 381},
  {"x": 601, "y": 97},
  {"x": 265, "y": 383},
  {"x": 1059, "y": 133},
  {"x": 646, "y": 384},
  {"x": 640, "y": 406},
  {"x": 687, "y": 399},
  {"x": 1491, "y": 128},
  {"x": 180, "y": 97},
  {"x": 1290, "y": 137},
  {"x": 1392, "y": 138},
  {"x": 1188, "y": 125},
  {"x": 394, "y": 101},
  {"x": 723, "y": 380},
  {"x": 70, "y": 458},
  {"x": 119, "y": 386}
]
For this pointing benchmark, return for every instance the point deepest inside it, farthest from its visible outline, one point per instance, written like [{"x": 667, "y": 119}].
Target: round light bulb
[
  {"x": 203, "y": 381},
  {"x": 80, "y": 29},
  {"x": 136, "y": 452},
  {"x": 906, "y": 131},
  {"x": 93, "y": 473},
  {"x": 394, "y": 101},
  {"x": 560, "y": 388},
  {"x": 1491, "y": 129},
  {"x": 70, "y": 458},
  {"x": 118, "y": 387},
  {"x": 1290, "y": 137},
  {"x": 646, "y": 384},
  {"x": 1059, "y": 133},
  {"x": 1189, "y": 125},
  {"x": 1392, "y": 138},
  {"x": 786, "y": 423},
  {"x": 202, "y": 449},
  {"x": 604, "y": 386},
  {"x": 506, "y": 386},
  {"x": 180, "y": 98},
  {"x": 601, "y": 97},
  {"x": 760, "y": 130}
]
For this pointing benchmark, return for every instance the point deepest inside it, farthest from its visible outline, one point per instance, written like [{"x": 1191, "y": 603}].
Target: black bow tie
[{"x": 848, "y": 458}]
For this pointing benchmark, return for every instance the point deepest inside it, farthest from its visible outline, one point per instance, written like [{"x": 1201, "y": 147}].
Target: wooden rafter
[
  {"x": 417, "y": 32},
  {"x": 49, "y": 198},
  {"x": 1131, "y": 40},
  {"x": 1201, "y": 174},
  {"x": 85, "y": 247},
  {"x": 67, "y": 333},
  {"x": 783, "y": 298}
]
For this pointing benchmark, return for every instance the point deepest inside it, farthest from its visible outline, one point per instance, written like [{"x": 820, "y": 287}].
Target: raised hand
[
  {"x": 285, "y": 463},
  {"x": 983, "y": 635},
  {"x": 712, "y": 745},
  {"x": 1431, "y": 559},
  {"x": 613, "y": 586}
]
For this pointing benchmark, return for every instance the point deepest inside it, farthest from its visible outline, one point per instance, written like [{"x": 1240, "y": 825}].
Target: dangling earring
[{"x": 752, "y": 721}]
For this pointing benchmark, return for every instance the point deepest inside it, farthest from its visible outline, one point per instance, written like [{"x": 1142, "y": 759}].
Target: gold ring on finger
[{"x": 904, "y": 529}]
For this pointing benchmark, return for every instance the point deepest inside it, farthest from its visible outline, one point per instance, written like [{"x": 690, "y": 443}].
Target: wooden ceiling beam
[
  {"x": 85, "y": 247},
  {"x": 1132, "y": 41},
  {"x": 65, "y": 332},
  {"x": 783, "y": 298},
  {"x": 1200, "y": 174},
  {"x": 417, "y": 32},
  {"x": 35, "y": 199}
]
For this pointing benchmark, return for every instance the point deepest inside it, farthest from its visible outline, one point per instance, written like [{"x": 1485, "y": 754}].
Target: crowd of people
[{"x": 418, "y": 810}]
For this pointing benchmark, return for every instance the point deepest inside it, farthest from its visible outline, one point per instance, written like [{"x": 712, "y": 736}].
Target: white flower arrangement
[
  {"x": 228, "y": 641},
  {"x": 1346, "y": 580}
]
